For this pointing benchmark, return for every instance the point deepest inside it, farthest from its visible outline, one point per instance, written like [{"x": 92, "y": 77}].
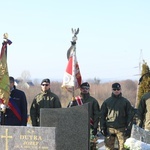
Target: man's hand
[
  {"x": 104, "y": 131},
  {"x": 72, "y": 103},
  {"x": 94, "y": 132},
  {"x": 127, "y": 132}
]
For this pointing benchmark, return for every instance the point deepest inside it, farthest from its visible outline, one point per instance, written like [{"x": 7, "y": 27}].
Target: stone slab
[
  {"x": 140, "y": 134},
  {"x": 72, "y": 126},
  {"x": 27, "y": 138}
]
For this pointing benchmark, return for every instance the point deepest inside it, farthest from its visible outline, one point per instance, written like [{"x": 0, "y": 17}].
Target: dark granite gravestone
[
  {"x": 72, "y": 126},
  {"x": 27, "y": 138},
  {"x": 140, "y": 134}
]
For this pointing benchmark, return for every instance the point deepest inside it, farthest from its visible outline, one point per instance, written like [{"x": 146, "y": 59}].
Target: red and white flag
[{"x": 72, "y": 77}]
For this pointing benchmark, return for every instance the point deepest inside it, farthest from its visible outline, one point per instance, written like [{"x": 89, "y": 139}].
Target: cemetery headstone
[
  {"x": 72, "y": 126},
  {"x": 27, "y": 138},
  {"x": 140, "y": 134}
]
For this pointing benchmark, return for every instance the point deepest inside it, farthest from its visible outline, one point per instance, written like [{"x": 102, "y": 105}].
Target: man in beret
[
  {"x": 94, "y": 106},
  {"x": 115, "y": 118},
  {"x": 16, "y": 112},
  {"x": 45, "y": 99}
]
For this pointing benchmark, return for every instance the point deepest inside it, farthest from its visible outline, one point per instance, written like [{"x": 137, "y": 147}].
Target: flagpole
[
  {"x": 73, "y": 42},
  {"x": 4, "y": 79},
  {"x": 72, "y": 77},
  {"x": 73, "y": 73}
]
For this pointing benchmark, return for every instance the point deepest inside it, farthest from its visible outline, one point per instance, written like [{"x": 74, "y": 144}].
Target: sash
[
  {"x": 12, "y": 105},
  {"x": 79, "y": 102}
]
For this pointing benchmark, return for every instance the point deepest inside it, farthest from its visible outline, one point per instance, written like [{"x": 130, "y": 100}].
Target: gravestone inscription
[{"x": 27, "y": 138}]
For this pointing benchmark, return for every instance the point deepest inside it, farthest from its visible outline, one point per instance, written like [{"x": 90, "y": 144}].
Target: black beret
[
  {"x": 46, "y": 80},
  {"x": 85, "y": 84},
  {"x": 116, "y": 85}
]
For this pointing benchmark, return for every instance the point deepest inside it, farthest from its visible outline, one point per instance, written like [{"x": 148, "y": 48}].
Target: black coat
[{"x": 20, "y": 100}]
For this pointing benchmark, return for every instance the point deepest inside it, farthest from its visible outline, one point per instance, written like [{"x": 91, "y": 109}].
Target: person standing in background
[
  {"x": 116, "y": 118},
  {"x": 16, "y": 112},
  {"x": 143, "y": 112},
  {"x": 85, "y": 97},
  {"x": 45, "y": 99}
]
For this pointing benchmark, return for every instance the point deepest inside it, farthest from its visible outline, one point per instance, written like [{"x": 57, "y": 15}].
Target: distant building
[
  {"x": 28, "y": 84},
  {"x": 17, "y": 82},
  {"x": 23, "y": 83}
]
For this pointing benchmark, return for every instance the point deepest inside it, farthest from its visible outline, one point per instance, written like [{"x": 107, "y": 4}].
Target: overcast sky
[{"x": 114, "y": 37}]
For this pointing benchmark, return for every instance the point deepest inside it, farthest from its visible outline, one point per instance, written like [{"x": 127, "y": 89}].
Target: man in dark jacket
[
  {"x": 116, "y": 118},
  {"x": 143, "y": 112},
  {"x": 16, "y": 113},
  {"x": 45, "y": 99},
  {"x": 94, "y": 106}
]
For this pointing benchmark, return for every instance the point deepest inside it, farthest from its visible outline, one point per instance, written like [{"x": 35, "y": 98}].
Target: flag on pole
[
  {"x": 4, "y": 76},
  {"x": 72, "y": 77}
]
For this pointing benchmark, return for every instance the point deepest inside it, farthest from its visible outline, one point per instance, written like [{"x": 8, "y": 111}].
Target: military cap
[
  {"x": 85, "y": 84},
  {"x": 46, "y": 80},
  {"x": 116, "y": 86}
]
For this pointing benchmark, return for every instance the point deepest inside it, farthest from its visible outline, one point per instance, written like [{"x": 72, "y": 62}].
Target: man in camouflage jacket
[
  {"x": 45, "y": 99},
  {"x": 115, "y": 118}
]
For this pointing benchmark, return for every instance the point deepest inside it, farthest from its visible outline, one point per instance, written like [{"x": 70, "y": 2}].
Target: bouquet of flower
[{"x": 133, "y": 144}]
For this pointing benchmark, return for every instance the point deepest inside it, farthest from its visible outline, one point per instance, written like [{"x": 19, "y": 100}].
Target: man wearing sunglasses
[
  {"x": 115, "y": 118},
  {"x": 45, "y": 99},
  {"x": 94, "y": 106}
]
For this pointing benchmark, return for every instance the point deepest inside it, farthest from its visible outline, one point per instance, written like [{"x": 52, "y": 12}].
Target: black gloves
[
  {"x": 72, "y": 103},
  {"x": 104, "y": 131},
  {"x": 94, "y": 132},
  {"x": 127, "y": 132}
]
